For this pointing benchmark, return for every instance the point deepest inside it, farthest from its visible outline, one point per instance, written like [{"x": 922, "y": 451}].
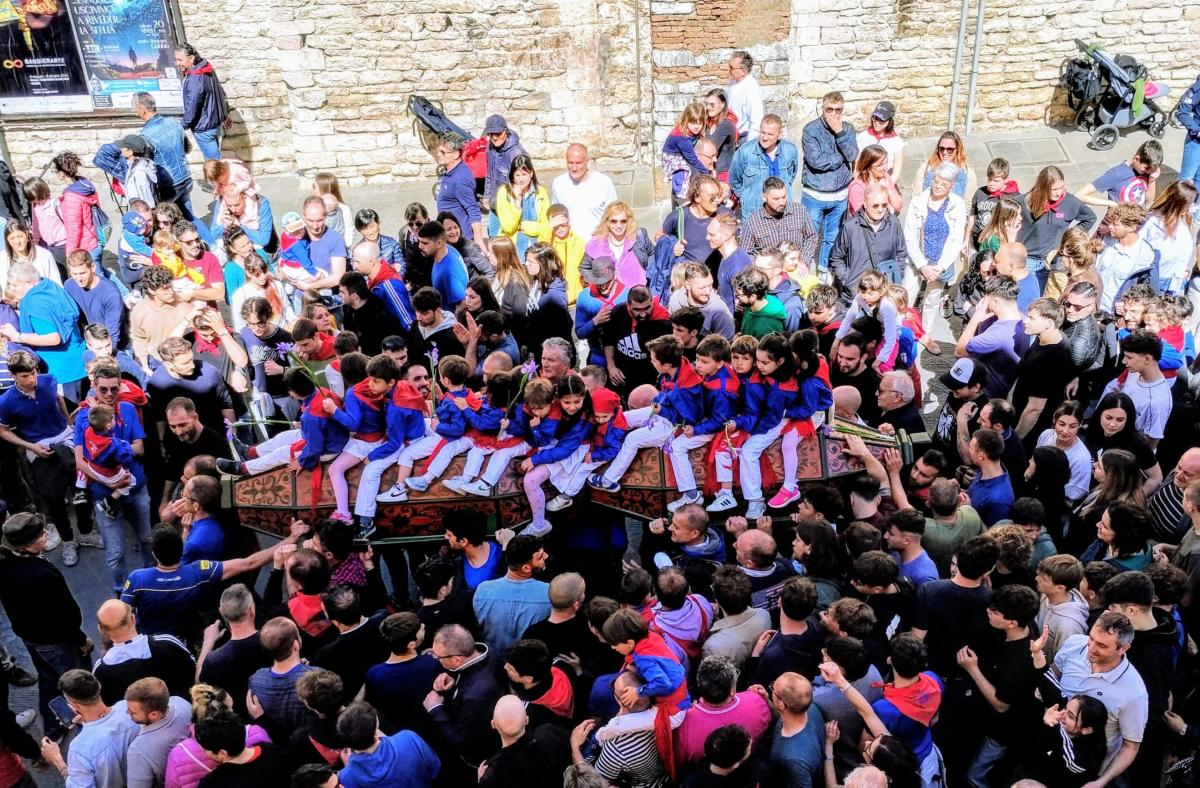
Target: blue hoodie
[
  {"x": 321, "y": 434},
  {"x": 566, "y": 444},
  {"x": 359, "y": 416},
  {"x": 451, "y": 423},
  {"x": 402, "y": 760},
  {"x": 754, "y": 400},
  {"x": 720, "y": 400},
  {"x": 404, "y": 423},
  {"x": 814, "y": 396},
  {"x": 681, "y": 396}
]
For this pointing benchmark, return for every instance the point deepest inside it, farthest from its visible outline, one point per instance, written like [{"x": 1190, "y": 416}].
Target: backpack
[
  {"x": 1081, "y": 80},
  {"x": 102, "y": 224}
]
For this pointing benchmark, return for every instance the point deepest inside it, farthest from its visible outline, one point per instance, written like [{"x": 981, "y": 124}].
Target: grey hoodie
[{"x": 1064, "y": 619}]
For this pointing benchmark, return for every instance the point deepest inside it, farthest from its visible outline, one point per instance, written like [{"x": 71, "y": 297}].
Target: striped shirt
[
  {"x": 1168, "y": 519},
  {"x": 632, "y": 760},
  {"x": 760, "y": 231}
]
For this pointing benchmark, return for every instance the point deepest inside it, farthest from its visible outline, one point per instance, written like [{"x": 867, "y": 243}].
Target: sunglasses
[
  {"x": 108, "y": 389},
  {"x": 1074, "y": 307},
  {"x": 618, "y": 221},
  {"x": 947, "y": 149}
]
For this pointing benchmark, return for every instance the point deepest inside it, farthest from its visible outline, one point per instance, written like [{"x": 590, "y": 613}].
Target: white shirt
[
  {"x": 746, "y": 101},
  {"x": 1121, "y": 690},
  {"x": 1151, "y": 402},
  {"x": 43, "y": 261},
  {"x": 893, "y": 144},
  {"x": 585, "y": 200},
  {"x": 1177, "y": 253},
  {"x": 1116, "y": 263},
  {"x": 1080, "y": 461}
]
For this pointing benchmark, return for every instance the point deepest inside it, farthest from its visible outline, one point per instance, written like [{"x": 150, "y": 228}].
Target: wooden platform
[{"x": 267, "y": 502}]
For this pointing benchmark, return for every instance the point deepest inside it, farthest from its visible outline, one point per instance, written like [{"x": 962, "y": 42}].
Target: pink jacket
[
  {"x": 76, "y": 211},
  {"x": 187, "y": 764},
  {"x": 48, "y": 230}
]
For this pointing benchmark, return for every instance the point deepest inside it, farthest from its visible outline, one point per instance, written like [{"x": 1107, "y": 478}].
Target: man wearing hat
[
  {"x": 595, "y": 304},
  {"x": 881, "y": 131},
  {"x": 41, "y": 609},
  {"x": 141, "y": 180},
  {"x": 965, "y": 381},
  {"x": 503, "y": 147}
]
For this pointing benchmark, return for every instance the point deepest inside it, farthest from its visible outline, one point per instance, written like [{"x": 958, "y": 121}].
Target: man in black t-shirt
[
  {"x": 231, "y": 665},
  {"x": 1044, "y": 371},
  {"x": 185, "y": 437},
  {"x": 183, "y": 375},
  {"x": 964, "y": 381},
  {"x": 624, "y": 337},
  {"x": 851, "y": 368},
  {"x": 566, "y": 631},
  {"x": 223, "y": 738}
]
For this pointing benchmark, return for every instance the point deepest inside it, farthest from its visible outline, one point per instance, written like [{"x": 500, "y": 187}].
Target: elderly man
[
  {"x": 846, "y": 402},
  {"x": 745, "y": 94},
  {"x": 136, "y": 656},
  {"x": 871, "y": 238},
  {"x": 462, "y": 697},
  {"x": 584, "y": 191},
  {"x": 895, "y": 400},
  {"x": 49, "y": 324},
  {"x": 166, "y": 134},
  {"x": 160, "y": 314},
  {"x": 759, "y": 558},
  {"x": 779, "y": 219},
  {"x": 456, "y": 191},
  {"x": 830, "y": 149},
  {"x": 556, "y": 359},
  {"x": 755, "y": 163},
  {"x": 134, "y": 506},
  {"x": 697, "y": 291},
  {"x": 254, "y": 216},
  {"x": 595, "y": 305},
  {"x": 1167, "y": 515},
  {"x": 384, "y": 283}
]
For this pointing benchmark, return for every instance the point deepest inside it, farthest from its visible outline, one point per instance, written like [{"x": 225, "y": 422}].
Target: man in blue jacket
[
  {"x": 204, "y": 106},
  {"x": 1189, "y": 117},
  {"x": 402, "y": 760},
  {"x": 503, "y": 146},
  {"x": 830, "y": 149},
  {"x": 772, "y": 157},
  {"x": 166, "y": 135},
  {"x": 456, "y": 190}
]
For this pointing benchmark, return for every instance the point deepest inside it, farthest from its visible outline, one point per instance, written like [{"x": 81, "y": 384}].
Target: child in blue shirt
[
  {"x": 404, "y": 423},
  {"x": 720, "y": 399},
  {"x": 362, "y": 413}
]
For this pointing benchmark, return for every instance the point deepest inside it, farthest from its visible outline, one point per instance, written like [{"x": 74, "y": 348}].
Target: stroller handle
[{"x": 1083, "y": 46}]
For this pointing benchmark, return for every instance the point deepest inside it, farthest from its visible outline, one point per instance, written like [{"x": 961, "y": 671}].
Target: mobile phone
[
  {"x": 361, "y": 545},
  {"x": 62, "y": 710}
]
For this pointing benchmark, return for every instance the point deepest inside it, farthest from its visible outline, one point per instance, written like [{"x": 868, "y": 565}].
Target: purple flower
[
  {"x": 433, "y": 356},
  {"x": 529, "y": 368},
  {"x": 285, "y": 347}
]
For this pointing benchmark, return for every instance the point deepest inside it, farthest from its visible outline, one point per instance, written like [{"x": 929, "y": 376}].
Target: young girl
[
  {"x": 797, "y": 268},
  {"x": 910, "y": 338},
  {"x": 219, "y": 172},
  {"x": 48, "y": 230},
  {"x": 557, "y": 461},
  {"x": 485, "y": 422},
  {"x": 679, "y": 158},
  {"x": 362, "y": 413},
  {"x": 415, "y": 264},
  {"x": 516, "y": 439},
  {"x": 870, "y": 301},
  {"x": 807, "y": 411},
  {"x": 325, "y": 185},
  {"x": 763, "y": 421},
  {"x": 609, "y": 429}
]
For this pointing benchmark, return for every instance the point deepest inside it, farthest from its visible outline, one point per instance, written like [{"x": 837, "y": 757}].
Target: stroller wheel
[
  {"x": 1104, "y": 137},
  {"x": 1083, "y": 119},
  {"x": 1158, "y": 129}
]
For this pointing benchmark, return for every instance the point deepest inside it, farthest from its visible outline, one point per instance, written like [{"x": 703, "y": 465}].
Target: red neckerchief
[
  {"x": 611, "y": 298},
  {"x": 560, "y": 698},
  {"x": 724, "y": 379},
  {"x": 316, "y": 406},
  {"x": 657, "y": 312},
  {"x": 1053, "y": 206},
  {"x": 918, "y": 701},
  {"x": 405, "y": 395},
  {"x": 202, "y": 345},
  {"x": 1009, "y": 187},
  {"x": 205, "y": 68},
  {"x": 385, "y": 274},
  {"x": 473, "y": 400},
  {"x": 618, "y": 421},
  {"x": 686, "y": 377},
  {"x": 326, "y": 350},
  {"x": 95, "y": 443},
  {"x": 871, "y": 130},
  {"x": 362, "y": 390}
]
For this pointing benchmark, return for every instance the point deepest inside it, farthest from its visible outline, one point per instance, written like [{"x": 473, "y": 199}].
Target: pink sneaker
[
  {"x": 342, "y": 517},
  {"x": 783, "y": 498}
]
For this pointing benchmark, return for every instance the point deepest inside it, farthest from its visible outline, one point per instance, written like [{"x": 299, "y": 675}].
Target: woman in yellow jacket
[
  {"x": 569, "y": 248},
  {"x": 522, "y": 207}
]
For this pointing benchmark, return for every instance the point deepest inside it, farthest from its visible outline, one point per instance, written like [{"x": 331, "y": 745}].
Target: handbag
[{"x": 892, "y": 270}]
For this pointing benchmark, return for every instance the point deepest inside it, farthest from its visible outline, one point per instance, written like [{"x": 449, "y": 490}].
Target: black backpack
[{"x": 1081, "y": 80}]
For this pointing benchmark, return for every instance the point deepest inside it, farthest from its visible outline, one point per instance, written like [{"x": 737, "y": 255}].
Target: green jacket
[{"x": 768, "y": 320}]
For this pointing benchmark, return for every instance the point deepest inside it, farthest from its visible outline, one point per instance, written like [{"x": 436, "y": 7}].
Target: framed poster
[{"x": 40, "y": 68}]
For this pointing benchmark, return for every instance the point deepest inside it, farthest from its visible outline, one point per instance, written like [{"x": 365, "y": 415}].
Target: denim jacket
[{"x": 751, "y": 168}]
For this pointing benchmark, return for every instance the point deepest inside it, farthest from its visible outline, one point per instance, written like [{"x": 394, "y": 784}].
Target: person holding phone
[{"x": 97, "y": 753}]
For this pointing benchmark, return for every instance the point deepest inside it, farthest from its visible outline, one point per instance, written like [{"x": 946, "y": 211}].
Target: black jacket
[
  {"x": 38, "y": 602},
  {"x": 851, "y": 255},
  {"x": 464, "y": 718},
  {"x": 372, "y": 322}
]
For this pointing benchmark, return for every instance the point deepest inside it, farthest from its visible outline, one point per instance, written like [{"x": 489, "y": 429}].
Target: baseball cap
[
  {"x": 134, "y": 143},
  {"x": 495, "y": 124},
  {"x": 23, "y": 529},
  {"x": 884, "y": 110},
  {"x": 133, "y": 222},
  {"x": 292, "y": 222},
  {"x": 965, "y": 372},
  {"x": 603, "y": 271}
]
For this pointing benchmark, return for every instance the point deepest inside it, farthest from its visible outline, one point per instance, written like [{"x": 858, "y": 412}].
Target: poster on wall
[
  {"x": 126, "y": 48},
  {"x": 40, "y": 68}
]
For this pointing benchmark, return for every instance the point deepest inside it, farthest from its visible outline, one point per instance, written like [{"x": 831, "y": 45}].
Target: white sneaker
[
  {"x": 27, "y": 717},
  {"x": 689, "y": 497},
  {"x": 453, "y": 484},
  {"x": 398, "y": 494},
  {"x": 418, "y": 483},
  {"x": 70, "y": 554},
  {"x": 558, "y": 503},
  {"x": 755, "y": 509},
  {"x": 53, "y": 540},
  {"x": 723, "y": 502},
  {"x": 538, "y": 528},
  {"x": 478, "y": 487},
  {"x": 89, "y": 540}
]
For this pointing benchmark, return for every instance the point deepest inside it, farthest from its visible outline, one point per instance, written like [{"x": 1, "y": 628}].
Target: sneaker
[
  {"x": 598, "y": 482},
  {"x": 70, "y": 554},
  {"x": 27, "y": 717},
  {"x": 538, "y": 528},
  {"x": 478, "y": 487},
  {"x": 558, "y": 503},
  {"x": 53, "y": 540},
  {"x": 89, "y": 540},
  {"x": 755, "y": 509},
  {"x": 108, "y": 507},
  {"x": 688, "y": 497},
  {"x": 229, "y": 467},
  {"x": 341, "y": 517},
  {"x": 366, "y": 527},
  {"x": 16, "y": 675},
  {"x": 783, "y": 498},
  {"x": 242, "y": 448},
  {"x": 453, "y": 484},
  {"x": 398, "y": 494},
  {"x": 723, "y": 502},
  {"x": 417, "y": 483}
]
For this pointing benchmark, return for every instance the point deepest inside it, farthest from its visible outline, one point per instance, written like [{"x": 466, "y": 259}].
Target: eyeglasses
[
  {"x": 1074, "y": 307},
  {"x": 444, "y": 656},
  {"x": 108, "y": 389},
  {"x": 947, "y": 148},
  {"x": 835, "y": 110}
]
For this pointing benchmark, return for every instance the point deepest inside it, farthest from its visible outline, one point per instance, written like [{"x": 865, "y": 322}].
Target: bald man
[
  {"x": 642, "y": 396},
  {"x": 1168, "y": 519},
  {"x": 565, "y": 632},
  {"x": 529, "y": 758},
  {"x": 133, "y": 656},
  {"x": 798, "y": 746},
  {"x": 584, "y": 191},
  {"x": 846, "y": 402}
]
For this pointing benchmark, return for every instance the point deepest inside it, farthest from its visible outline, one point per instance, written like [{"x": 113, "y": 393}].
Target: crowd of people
[{"x": 1014, "y": 606}]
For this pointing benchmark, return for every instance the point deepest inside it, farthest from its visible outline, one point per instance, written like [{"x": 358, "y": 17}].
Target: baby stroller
[{"x": 1112, "y": 93}]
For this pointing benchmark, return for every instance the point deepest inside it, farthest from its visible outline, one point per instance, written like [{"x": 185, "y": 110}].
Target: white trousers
[
  {"x": 750, "y": 475},
  {"x": 681, "y": 464}
]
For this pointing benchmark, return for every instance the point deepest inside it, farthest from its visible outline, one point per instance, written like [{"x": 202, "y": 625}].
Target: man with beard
[
  {"x": 852, "y": 368},
  {"x": 697, "y": 291},
  {"x": 625, "y": 335},
  {"x": 508, "y": 605},
  {"x": 778, "y": 220},
  {"x": 184, "y": 439},
  {"x": 964, "y": 381},
  {"x": 183, "y": 375}
]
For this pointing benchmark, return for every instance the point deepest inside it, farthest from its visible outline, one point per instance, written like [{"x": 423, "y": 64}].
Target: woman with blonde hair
[
  {"x": 1048, "y": 211},
  {"x": 1003, "y": 227},
  {"x": 619, "y": 237},
  {"x": 511, "y": 284},
  {"x": 1076, "y": 256},
  {"x": 679, "y": 150},
  {"x": 522, "y": 207},
  {"x": 188, "y": 763},
  {"x": 949, "y": 150},
  {"x": 1169, "y": 232}
]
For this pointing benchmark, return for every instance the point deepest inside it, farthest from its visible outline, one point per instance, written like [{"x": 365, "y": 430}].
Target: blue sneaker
[
  {"x": 366, "y": 527},
  {"x": 598, "y": 482},
  {"x": 417, "y": 483}
]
